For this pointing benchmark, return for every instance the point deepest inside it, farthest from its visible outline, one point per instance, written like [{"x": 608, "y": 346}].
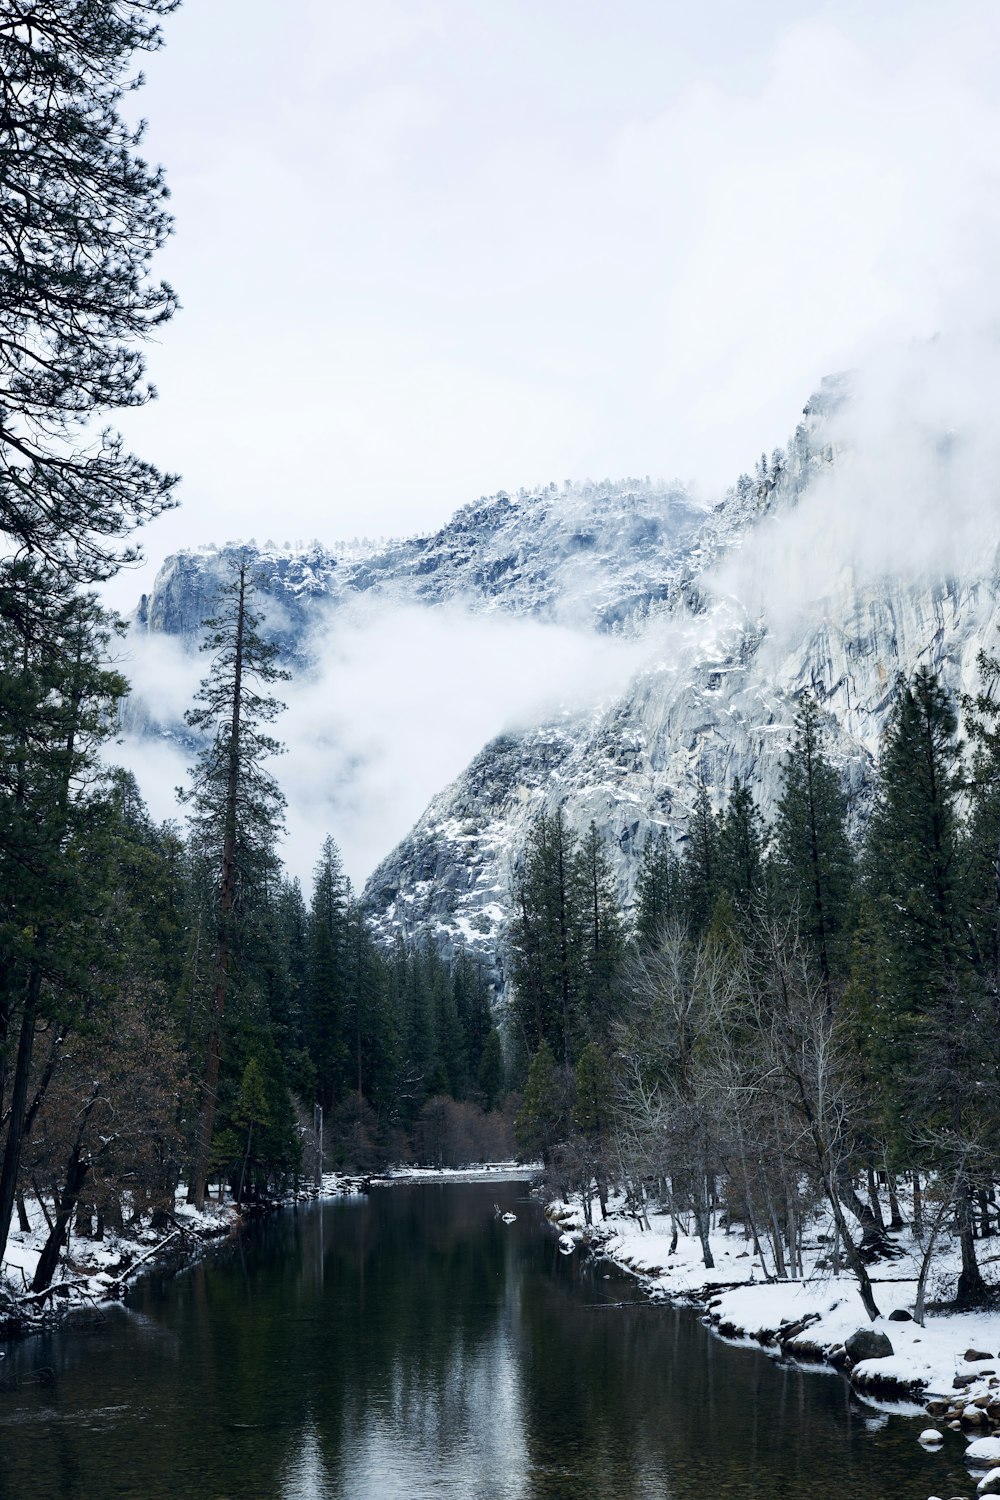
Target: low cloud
[
  {"x": 913, "y": 493},
  {"x": 400, "y": 700}
]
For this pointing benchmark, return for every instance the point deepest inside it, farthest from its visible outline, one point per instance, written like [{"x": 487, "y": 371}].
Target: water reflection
[{"x": 412, "y": 1345}]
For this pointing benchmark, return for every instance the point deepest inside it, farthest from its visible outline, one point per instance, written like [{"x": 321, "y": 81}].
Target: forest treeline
[
  {"x": 175, "y": 1009},
  {"x": 795, "y": 1022}
]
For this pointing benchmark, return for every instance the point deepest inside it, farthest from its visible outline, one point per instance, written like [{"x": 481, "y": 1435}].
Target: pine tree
[
  {"x": 327, "y": 977},
  {"x": 473, "y": 996},
  {"x": 546, "y": 938},
  {"x": 490, "y": 1076},
  {"x": 701, "y": 869},
  {"x": 928, "y": 1031},
  {"x": 453, "y": 1062},
  {"x": 592, "y": 1109},
  {"x": 982, "y": 717},
  {"x": 83, "y": 215},
  {"x": 235, "y": 805},
  {"x": 592, "y": 1121},
  {"x": 602, "y": 935},
  {"x": 812, "y": 865},
  {"x": 370, "y": 1025},
  {"x": 741, "y": 853},
  {"x": 542, "y": 1119},
  {"x": 658, "y": 889}
]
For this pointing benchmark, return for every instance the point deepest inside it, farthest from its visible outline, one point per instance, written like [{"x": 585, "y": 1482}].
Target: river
[{"x": 411, "y": 1345}]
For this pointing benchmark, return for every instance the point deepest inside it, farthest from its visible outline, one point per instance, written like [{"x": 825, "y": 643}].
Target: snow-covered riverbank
[
  {"x": 494, "y": 1171},
  {"x": 949, "y": 1369},
  {"x": 95, "y": 1271}
]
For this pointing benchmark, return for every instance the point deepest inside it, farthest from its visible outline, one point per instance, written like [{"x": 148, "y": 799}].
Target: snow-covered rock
[{"x": 984, "y": 1452}]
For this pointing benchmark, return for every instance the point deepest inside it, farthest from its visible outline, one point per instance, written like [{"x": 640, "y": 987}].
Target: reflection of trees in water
[
  {"x": 641, "y": 1400},
  {"x": 417, "y": 1318},
  {"x": 323, "y": 1321}
]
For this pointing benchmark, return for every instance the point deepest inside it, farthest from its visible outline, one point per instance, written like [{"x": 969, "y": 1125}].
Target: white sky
[{"x": 427, "y": 249}]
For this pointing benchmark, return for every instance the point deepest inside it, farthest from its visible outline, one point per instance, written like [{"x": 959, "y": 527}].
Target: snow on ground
[
  {"x": 495, "y": 1171},
  {"x": 339, "y": 1184},
  {"x": 929, "y": 1363},
  {"x": 94, "y": 1271}
]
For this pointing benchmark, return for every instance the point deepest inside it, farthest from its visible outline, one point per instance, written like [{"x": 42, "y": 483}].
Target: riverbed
[{"x": 411, "y": 1344}]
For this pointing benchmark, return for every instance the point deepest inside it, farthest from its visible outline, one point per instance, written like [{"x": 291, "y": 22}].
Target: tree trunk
[
  {"x": 18, "y": 1105},
  {"x": 871, "y": 1236},
  {"x": 971, "y": 1289},
  {"x": 857, "y": 1265},
  {"x": 873, "y": 1199},
  {"x": 76, "y": 1176}
]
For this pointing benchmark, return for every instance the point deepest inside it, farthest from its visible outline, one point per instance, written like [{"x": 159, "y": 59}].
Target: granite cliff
[{"x": 720, "y": 674}]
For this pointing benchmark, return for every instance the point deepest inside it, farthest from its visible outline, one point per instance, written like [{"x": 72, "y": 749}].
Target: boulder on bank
[
  {"x": 984, "y": 1452},
  {"x": 900, "y": 1315},
  {"x": 989, "y": 1484},
  {"x": 868, "y": 1344}
]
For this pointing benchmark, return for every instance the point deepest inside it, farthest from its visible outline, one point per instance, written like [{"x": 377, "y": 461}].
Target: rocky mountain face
[
  {"x": 596, "y": 553},
  {"x": 715, "y": 694}
]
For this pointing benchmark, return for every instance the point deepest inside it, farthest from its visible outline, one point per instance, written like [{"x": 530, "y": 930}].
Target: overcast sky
[{"x": 428, "y": 249}]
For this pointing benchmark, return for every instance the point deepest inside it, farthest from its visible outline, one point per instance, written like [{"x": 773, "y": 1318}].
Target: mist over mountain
[{"x": 605, "y": 646}]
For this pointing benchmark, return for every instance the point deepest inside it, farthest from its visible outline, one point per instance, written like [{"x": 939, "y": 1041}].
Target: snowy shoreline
[
  {"x": 498, "y": 1171},
  {"x": 97, "y": 1273},
  {"x": 948, "y": 1370}
]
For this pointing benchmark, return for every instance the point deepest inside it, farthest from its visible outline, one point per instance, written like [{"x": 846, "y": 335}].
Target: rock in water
[
  {"x": 984, "y": 1452},
  {"x": 868, "y": 1344}
]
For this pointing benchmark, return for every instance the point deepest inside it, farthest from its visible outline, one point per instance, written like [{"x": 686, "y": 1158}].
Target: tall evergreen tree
[
  {"x": 82, "y": 216},
  {"x": 546, "y": 938},
  {"x": 658, "y": 888},
  {"x": 473, "y": 1002},
  {"x": 982, "y": 717},
  {"x": 812, "y": 865},
  {"x": 235, "y": 804},
  {"x": 927, "y": 1022},
  {"x": 602, "y": 934},
  {"x": 701, "y": 869},
  {"x": 741, "y": 852},
  {"x": 327, "y": 981}
]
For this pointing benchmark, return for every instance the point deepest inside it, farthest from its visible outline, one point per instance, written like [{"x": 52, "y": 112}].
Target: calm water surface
[{"x": 411, "y": 1345}]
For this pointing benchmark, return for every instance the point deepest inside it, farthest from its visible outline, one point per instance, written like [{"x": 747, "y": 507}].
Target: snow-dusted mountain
[
  {"x": 594, "y": 552},
  {"x": 731, "y": 623}
]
